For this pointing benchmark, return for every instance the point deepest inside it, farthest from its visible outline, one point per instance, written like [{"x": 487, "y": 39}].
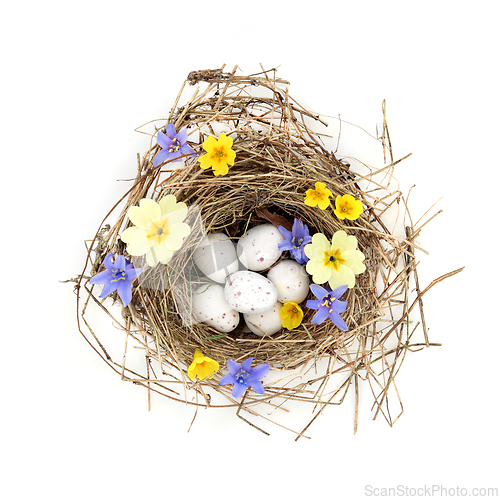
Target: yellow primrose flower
[
  {"x": 320, "y": 196},
  {"x": 291, "y": 315},
  {"x": 337, "y": 262},
  {"x": 202, "y": 366},
  {"x": 219, "y": 154},
  {"x": 158, "y": 229},
  {"x": 347, "y": 207}
]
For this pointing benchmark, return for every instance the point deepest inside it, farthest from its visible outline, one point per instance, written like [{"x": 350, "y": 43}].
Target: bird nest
[{"x": 278, "y": 158}]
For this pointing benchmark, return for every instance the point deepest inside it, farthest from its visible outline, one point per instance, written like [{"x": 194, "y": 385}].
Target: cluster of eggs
[{"x": 234, "y": 290}]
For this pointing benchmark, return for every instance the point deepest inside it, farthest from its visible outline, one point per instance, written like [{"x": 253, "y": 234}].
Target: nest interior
[{"x": 278, "y": 157}]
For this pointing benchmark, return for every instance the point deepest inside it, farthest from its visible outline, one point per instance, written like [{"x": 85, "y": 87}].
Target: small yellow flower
[
  {"x": 320, "y": 196},
  {"x": 202, "y": 366},
  {"x": 291, "y": 315},
  {"x": 347, "y": 207},
  {"x": 219, "y": 154}
]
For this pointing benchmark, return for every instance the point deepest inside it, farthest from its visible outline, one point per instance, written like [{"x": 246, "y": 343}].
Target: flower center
[
  {"x": 158, "y": 231},
  {"x": 118, "y": 274},
  {"x": 344, "y": 209},
  {"x": 333, "y": 259},
  {"x": 318, "y": 194},
  {"x": 297, "y": 242},
  {"x": 327, "y": 302},
  {"x": 219, "y": 153},
  {"x": 241, "y": 376},
  {"x": 294, "y": 310},
  {"x": 175, "y": 146}
]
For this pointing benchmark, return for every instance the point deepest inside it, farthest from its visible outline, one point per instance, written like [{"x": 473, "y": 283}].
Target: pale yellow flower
[
  {"x": 337, "y": 262},
  {"x": 158, "y": 229},
  {"x": 202, "y": 366}
]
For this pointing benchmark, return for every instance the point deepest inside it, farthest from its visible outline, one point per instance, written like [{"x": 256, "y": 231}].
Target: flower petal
[
  {"x": 239, "y": 389},
  {"x": 257, "y": 386},
  {"x": 285, "y": 232},
  {"x": 139, "y": 244},
  {"x": 163, "y": 141},
  {"x": 338, "y": 321},
  {"x": 318, "y": 291},
  {"x": 182, "y": 135},
  {"x": 227, "y": 379},
  {"x": 338, "y": 292},
  {"x": 258, "y": 373},
  {"x": 162, "y": 156},
  {"x": 344, "y": 242},
  {"x": 101, "y": 278},
  {"x": 178, "y": 214},
  {"x": 124, "y": 289},
  {"x": 108, "y": 261},
  {"x": 313, "y": 304},
  {"x": 186, "y": 149},
  {"x": 354, "y": 259},
  {"x": 147, "y": 211},
  {"x": 126, "y": 236},
  {"x": 209, "y": 144},
  {"x": 320, "y": 273},
  {"x": 120, "y": 262},
  {"x": 170, "y": 130},
  {"x": 246, "y": 365},
  {"x": 178, "y": 232},
  {"x": 339, "y": 306},
  {"x": 233, "y": 367},
  {"x": 133, "y": 273},
  {"x": 161, "y": 252},
  {"x": 344, "y": 276},
  {"x": 320, "y": 316}
]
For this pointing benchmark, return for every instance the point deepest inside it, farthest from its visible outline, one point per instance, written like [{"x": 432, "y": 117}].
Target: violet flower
[
  {"x": 242, "y": 376},
  {"x": 328, "y": 305},
  {"x": 296, "y": 240},
  {"x": 117, "y": 276},
  {"x": 173, "y": 145}
]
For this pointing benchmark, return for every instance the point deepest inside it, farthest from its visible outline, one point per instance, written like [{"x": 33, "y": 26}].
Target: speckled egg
[
  {"x": 249, "y": 292},
  {"x": 210, "y": 307},
  {"x": 265, "y": 323},
  {"x": 216, "y": 256},
  {"x": 258, "y": 247},
  {"x": 291, "y": 280}
]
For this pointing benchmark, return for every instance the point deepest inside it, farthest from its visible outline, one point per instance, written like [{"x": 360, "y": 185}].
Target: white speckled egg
[
  {"x": 210, "y": 307},
  {"x": 249, "y": 292},
  {"x": 265, "y": 323},
  {"x": 291, "y": 280},
  {"x": 258, "y": 247},
  {"x": 216, "y": 256}
]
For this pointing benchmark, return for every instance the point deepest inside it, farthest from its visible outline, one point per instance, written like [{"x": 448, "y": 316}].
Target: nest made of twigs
[{"x": 278, "y": 157}]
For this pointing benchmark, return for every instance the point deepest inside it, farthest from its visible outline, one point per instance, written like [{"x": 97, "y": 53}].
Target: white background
[{"x": 79, "y": 77}]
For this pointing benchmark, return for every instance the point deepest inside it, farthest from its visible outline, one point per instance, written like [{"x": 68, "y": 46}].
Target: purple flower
[
  {"x": 118, "y": 276},
  {"x": 173, "y": 145},
  {"x": 328, "y": 305},
  {"x": 242, "y": 376},
  {"x": 296, "y": 240}
]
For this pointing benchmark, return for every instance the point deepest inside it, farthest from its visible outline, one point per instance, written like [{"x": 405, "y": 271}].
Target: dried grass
[{"x": 278, "y": 157}]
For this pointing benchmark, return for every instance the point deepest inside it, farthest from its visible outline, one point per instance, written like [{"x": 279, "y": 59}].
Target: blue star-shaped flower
[
  {"x": 117, "y": 276},
  {"x": 328, "y": 305},
  {"x": 173, "y": 145},
  {"x": 296, "y": 240},
  {"x": 242, "y": 376}
]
